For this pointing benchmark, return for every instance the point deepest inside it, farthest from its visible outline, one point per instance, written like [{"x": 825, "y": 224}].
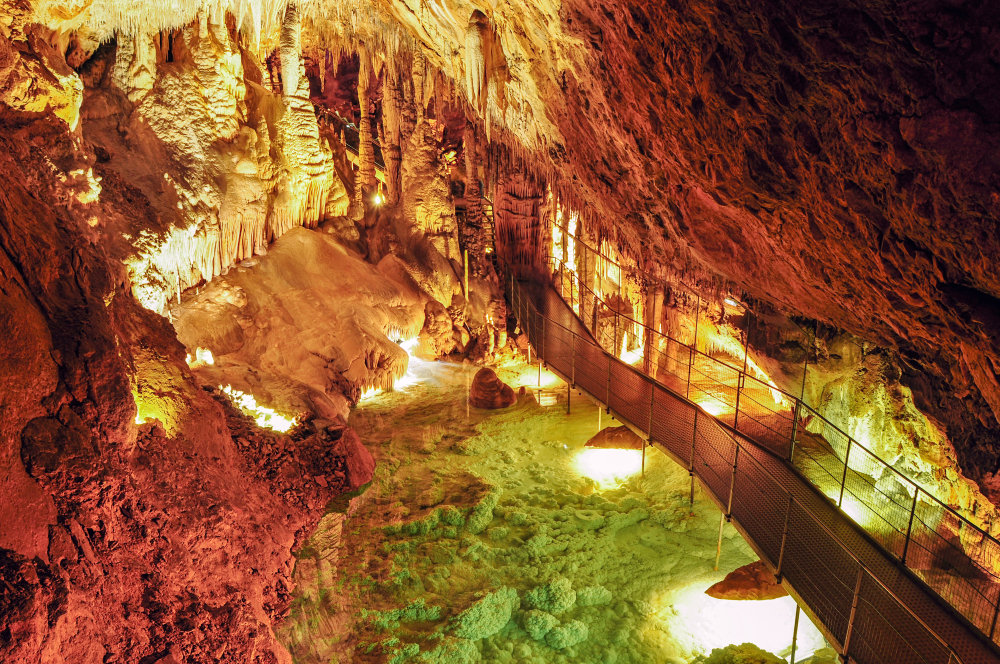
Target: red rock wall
[
  {"x": 838, "y": 159},
  {"x": 152, "y": 544}
]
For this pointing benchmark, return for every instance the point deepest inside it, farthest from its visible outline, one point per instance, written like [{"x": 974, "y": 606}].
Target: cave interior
[{"x": 514, "y": 332}]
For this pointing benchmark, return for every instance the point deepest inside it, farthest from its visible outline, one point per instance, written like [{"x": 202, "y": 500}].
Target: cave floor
[{"x": 390, "y": 579}]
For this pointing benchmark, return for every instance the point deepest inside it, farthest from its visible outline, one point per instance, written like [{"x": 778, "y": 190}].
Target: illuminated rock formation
[
  {"x": 488, "y": 391},
  {"x": 616, "y": 438},
  {"x": 837, "y": 165},
  {"x": 750, "y": 582}
]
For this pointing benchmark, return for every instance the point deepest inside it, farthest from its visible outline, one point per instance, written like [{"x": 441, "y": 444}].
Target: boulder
[
  {"x": 488, "y": 391},
  {"x": 750, "y": 582},
  {"x": 615, "y": 438}
]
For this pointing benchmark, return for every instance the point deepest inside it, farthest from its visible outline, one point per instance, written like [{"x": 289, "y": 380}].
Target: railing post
[
  {"x": 615, "y": 345},
  {"x": 843, "y": 480},
  {"x": 607, "y": 399},
  {"x": 739, "y": 389},
  {"x": 694, "y": 440},
  {"x": 694, "y": 344},
  {"x": 572, "y": 374},
  {"x": 996, "y": 614},
  {"x": 795, "y": 429},
  {"x": 854, "y": 612},
  {"x": 784, "y": 539},
  {"x": 691, "y": 354},
  {"x": 732, "y": 484},
  {"x": 909, "y": 526},
  {"x": 652, "y": 400}
]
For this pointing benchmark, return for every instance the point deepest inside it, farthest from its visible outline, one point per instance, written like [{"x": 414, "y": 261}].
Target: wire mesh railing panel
[
  {"x": 885, "y": 633},
  {"x": 836, "y": 440},
  {"x": 591, "y": 368},
  {"x": 559, "y": 349},
  {"x": 713, "y": 387},
  {"x": 715, "y": 451},
  {"x": 949, "y": 554},
  {"x": 759, "y": 504},
  {"x": 822, "y": 573},
  {"x": 764, "y": 416},
  {"x": 630, "y": 395},
  {"x": 939, "y": 559},
  {"x": 882, "y": 507},
  {"x": 673, "y": 423}
]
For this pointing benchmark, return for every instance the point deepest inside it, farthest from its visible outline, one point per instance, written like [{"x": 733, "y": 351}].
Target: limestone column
[
  {"x": 392, "y": 102},
  {"x": 473, "y": 239},
  {"x": 365, "y": 178}
]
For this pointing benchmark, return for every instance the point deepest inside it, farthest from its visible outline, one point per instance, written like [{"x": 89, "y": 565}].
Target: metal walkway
[{"x": 868, "y": 606}]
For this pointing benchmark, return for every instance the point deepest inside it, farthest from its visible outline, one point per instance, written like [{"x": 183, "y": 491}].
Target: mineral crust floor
[{"x": 418, "y": 568}]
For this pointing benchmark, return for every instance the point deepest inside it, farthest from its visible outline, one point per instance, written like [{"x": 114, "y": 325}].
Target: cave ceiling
[{"x": 837, "y": 159}]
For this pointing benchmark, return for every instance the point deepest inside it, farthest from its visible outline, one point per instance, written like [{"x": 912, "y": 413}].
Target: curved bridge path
[{"x": 867, "y": 604}]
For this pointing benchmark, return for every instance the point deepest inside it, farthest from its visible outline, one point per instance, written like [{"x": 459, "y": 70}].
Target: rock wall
[{"x": 167, "y": 542}]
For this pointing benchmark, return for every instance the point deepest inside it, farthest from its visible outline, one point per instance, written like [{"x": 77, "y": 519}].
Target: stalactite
[
  {"x": 291, "y": 51},
  {"x": 473, "y": 237},
  {"x": 419, "y": 68},
  {"x": 392, "y": 102},
  {"x": 365, "y": 177}
]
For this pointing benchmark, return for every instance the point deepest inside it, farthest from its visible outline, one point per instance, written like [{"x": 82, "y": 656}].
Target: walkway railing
[
  {"x": 953, "y": 556},
  {"x": 870, "y": 624}
]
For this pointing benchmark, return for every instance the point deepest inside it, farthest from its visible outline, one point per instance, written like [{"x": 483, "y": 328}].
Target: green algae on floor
[{"x": 487, "y": 536}]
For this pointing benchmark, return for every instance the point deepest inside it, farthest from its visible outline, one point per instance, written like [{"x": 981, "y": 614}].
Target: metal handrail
[
  {"x": 515, "y": 293},
  {"x": 796, "y": 401},
  {"x": 980, "y": 620}
]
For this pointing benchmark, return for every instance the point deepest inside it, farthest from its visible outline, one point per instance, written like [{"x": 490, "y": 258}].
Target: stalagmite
[{"x": 291, "y": 51}]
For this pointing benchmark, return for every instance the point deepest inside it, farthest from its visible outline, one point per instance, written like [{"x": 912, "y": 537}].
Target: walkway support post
[
  {"x": 718, "y": 547},
  {"x": 795, "y": 631}
]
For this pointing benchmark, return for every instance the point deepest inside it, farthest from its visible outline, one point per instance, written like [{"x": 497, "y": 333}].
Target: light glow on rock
[
  {"x": 265, "y": 417},
  {"x": 714, "y": 408},
  {"x": 202, "y": 356},
  {"x": 706, "y": 623},
  {"x": 608, "y": 467}
]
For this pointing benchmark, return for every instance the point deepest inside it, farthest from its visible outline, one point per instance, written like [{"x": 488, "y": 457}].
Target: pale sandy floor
[{"x": 591, "y": 517}]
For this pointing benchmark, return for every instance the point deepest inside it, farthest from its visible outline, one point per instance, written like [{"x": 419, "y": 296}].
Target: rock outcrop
[
  {"x": 750, "y": 582},
  {"x": 488, "y": 391},
  {"x": 616, "y": 438},
  {"x": 172, "y": 539}
]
